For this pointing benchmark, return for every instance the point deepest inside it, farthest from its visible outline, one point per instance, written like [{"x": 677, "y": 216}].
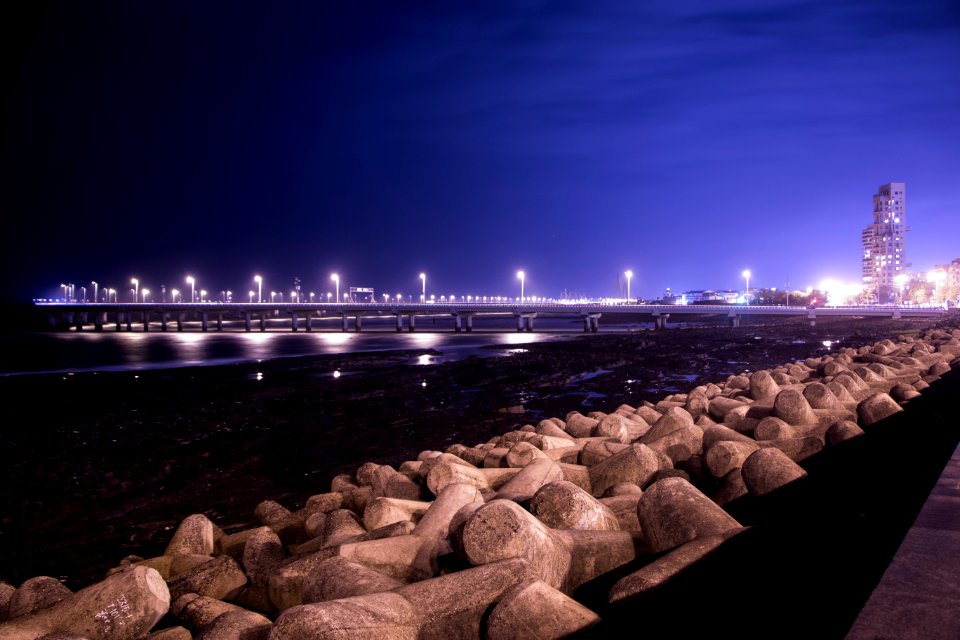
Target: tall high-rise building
[{"x": 884, "y": 248}]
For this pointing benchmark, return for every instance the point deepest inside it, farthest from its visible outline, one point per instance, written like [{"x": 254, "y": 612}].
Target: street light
[
  {"x": 173, "y": 295},
  {"x": 146, "y": 292},
  {"x": 522, "y": 276},
  {"x": 251, "y": 296},
  {"x": 936, "y": 277},
  {"x": 136, "y": 288},
  {"x": 746, "y": 275},
  {"x": 901, "y": 280},
  {"x": 629, "y": 275},
  {"x": 423, "y": 280},
  {"x": 336, "y": 279},
  {"x": 273, "y": 295},
  {"x": 191, "y": 282},
  {"x": 203, "y": 292},
  {"x": 259, "y": 282},
  {"x": 94, "y": 291}
]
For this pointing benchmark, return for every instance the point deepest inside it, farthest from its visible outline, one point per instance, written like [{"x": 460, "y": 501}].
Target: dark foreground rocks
[{"x": 557, "y": 528}]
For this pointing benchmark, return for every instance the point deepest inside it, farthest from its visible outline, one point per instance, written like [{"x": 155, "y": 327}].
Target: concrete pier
[{"x": 79, "y": 316}]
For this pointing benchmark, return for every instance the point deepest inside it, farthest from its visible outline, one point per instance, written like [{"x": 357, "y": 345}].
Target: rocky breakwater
[{"x": 501, "y": 539}]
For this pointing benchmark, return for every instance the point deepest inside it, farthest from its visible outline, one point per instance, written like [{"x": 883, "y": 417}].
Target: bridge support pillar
[
  {"x": 359, "y": 322},
  {"x": 146, "y": 321},
  {"x": 246, "y": 321},
  {"x": 118, "y": 318},
  {"x": 78, "y": 320},
  {"x": 660, "y": 321},
  {"x": 735, "y": 321},
  {"x": 179, "y": 322},
  {"x": 98, "y": 319},
  {"x": 129, "y": 318},
  {"x": 219, "y": 322},
  {"x": 163, "y": 321},
  {"x": 525, "y": 321},
  {"x": 344, "y": 321},
  {"x": 457, "y": 323},
  {"x": 412, "y": 326},
  {"x": 399, "y": 323},
  {"x": 263, "y": 321},
  {"x": 203, "y": 321},
  {"x": 294, "y": 321},
  {"x": 469, "y": 323},
  {"x": 309, "y": 320}
]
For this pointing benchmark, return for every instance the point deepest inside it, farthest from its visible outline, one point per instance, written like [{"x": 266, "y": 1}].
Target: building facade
[{"x": 884, "y": 254}]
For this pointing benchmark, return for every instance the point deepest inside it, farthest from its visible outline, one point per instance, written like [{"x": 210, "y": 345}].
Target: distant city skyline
[{"x": 684, "y": 143}]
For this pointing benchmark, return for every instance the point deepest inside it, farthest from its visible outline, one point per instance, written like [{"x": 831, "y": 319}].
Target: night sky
[{"x": 470, "y": 140}]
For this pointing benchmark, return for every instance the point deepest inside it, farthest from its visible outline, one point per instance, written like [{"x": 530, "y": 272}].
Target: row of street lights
[
  {"x": 139, "y": 295},
  {"x": 258, "y": 279}
]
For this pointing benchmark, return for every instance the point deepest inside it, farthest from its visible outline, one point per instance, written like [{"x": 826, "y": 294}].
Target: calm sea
[{"x": 24, "y": 353}]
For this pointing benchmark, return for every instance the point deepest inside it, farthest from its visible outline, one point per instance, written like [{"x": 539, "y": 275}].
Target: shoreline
[{"x": 100, "y": 480}]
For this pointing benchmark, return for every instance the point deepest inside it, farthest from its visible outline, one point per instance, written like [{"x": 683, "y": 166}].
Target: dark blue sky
[{"x": 379, "y": 140}]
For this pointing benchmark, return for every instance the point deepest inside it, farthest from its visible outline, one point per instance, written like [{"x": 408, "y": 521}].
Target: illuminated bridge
[{"x": 153, "y": 315}]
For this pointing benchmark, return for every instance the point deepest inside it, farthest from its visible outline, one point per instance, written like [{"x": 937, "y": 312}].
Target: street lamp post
[
  {"x": 259, "y": 281},
  {"x": 423, "y": 281},
  {"x": 203, "y": 292},
  {"x": 522, "y": 276},
  {"x": 901, "y": 280},
  {"x": 193, "y": 293},
  {"x": 746, "y": 275},
  {"x": 146, "y": 292},
  {"x": 336, "y": 279},
  {"x": 629, "y": 275},
  {"x": 936, "y": 277},
  {"x": 94, "y": 291},
  {"x": 251, "y": 296},
  {"x": 173, "y": 295},
  {"x": 136, "y": 288}
]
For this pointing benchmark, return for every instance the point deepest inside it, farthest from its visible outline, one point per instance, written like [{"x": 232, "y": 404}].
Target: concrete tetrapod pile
[{"x": 494, "y": 540}]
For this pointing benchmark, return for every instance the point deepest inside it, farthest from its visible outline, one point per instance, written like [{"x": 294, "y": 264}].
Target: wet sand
[{"x": 99, "y": 466}]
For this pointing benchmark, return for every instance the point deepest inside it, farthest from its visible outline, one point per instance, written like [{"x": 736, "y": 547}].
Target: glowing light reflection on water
[{"x": 135, "y": 350}]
